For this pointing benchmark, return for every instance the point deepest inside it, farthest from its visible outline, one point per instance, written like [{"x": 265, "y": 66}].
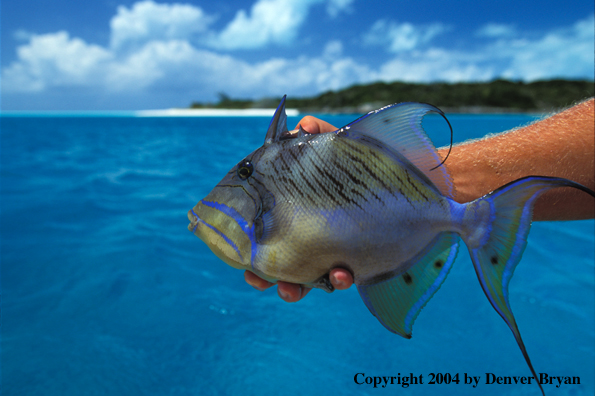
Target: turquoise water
[{"x": 105, "y": 292}]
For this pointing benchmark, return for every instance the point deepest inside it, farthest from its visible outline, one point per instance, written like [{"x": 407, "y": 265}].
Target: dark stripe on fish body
[
  {"x": 354, "y": 147},
  {"x": 329, "y": 175},
  {"x": 362, "y": 162},
  {"x": 324, "y": 172},
  {"x": 369, "y": 171},
  {"x": 283, "y": 189},
  {"x": 285, "y": 166},
  {"x": 380, "y": 174},
  {"x": 390, "y": 176},
  {"x": 296, "y": 188},
  {"x": 301, "y": 192},
  {"x": 327, "y": 192},
  {"x": 357, "y": 182},
  {"x": 415, "y": 186},
  {"x": 302, "y": 147},
  {"x": 360, "y": 182},
  {"x": 313, "y": 190},
  {"x": 355, "y": 192},
  {"x": 341, "y": 188},
  {"x": 297, "y": 162},
  {"x": 276, "y": 181},
  {"x": 294, "y": 155},
  {"x": 350, "y": 175},
  {"x": 288, "y": 191}
]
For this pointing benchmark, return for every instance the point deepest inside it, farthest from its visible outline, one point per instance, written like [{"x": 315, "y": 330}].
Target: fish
[{"x": 374, "y": 198}]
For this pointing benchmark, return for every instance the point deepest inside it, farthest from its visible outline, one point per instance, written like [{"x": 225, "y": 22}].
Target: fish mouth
[
  {"x": 193, "y": 221},
  {"x": 214, "y": 229}
]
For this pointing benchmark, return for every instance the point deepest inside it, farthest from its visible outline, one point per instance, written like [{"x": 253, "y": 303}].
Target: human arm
[{"x": 561, "y": 145}]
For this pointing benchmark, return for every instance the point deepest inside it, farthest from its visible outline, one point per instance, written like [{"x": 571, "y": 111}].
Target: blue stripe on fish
[
  {"x": 234, "y": 214},
  {"x": 222, "y": 235}
]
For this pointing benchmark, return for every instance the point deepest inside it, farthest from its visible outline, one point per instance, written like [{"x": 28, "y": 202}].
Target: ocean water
[{"x": 105, "y": 292}]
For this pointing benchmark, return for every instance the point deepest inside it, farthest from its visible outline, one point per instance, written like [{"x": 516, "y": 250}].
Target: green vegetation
[{"x": 467, "y": 97}]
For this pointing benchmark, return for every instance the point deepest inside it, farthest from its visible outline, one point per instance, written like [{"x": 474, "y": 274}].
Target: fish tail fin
[{"x": 498, "y": 225}]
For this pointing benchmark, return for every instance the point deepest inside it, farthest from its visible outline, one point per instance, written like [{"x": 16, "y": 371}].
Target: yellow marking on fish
[
  {"x": 379, "y": 172},
  {"x": 272, "y": 259},
  {"x": 227, "y": 226}
]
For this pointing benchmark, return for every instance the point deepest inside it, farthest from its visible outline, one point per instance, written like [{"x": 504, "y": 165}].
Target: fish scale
[{"x": 375, "y": 199}]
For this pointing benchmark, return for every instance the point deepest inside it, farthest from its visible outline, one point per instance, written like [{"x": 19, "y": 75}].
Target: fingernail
[
  {"x": 283, "y": 295},
  {"x": 336, "y": 282}
]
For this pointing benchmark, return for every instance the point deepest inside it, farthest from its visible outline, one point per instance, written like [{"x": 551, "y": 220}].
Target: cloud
[
  {"x": 55, "y": 59},
  {"x": 335, "y": 7},
  {"x": 270, "y": 21},
  {"x": 435, "y": 65},
  {"x": 333, "y": 49},
  {"x": 399, "y": 37},
  {"x": 146, "y": 21},
  {"x": 22, "y": 35},
  {"x": 492, "y": 30},
  {"x": 562, "y": 53}
]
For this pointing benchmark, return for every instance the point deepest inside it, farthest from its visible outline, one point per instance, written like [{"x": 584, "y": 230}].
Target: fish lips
[{"x": 205, "y": 225}]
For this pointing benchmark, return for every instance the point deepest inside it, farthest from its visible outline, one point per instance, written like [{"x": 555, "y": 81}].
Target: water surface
[{"x": 106, "y": 292}]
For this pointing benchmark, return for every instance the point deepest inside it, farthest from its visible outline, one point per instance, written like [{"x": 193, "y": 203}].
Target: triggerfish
[{"x": 375, "y": 199}]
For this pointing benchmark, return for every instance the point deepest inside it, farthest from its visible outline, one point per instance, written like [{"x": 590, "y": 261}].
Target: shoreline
[{"x": 258, "y": 112}]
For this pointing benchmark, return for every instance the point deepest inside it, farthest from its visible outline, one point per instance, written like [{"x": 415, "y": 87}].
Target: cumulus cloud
[
  {"x": 55, "y": 59},
  {"x": 146, "y": 21},
  {"x": 270, "y": 21},
  {"x": 399, "y": 37}
]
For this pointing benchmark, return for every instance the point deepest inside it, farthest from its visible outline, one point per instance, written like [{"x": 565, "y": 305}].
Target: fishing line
[{"x": 450, "y": 147}]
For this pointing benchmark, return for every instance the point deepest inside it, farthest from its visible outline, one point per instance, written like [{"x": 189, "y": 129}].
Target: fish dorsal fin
[
  {"x": 278, "y": 125},
  {"x": 399, "y": 127},
  {"x": 396, "y": 302}
]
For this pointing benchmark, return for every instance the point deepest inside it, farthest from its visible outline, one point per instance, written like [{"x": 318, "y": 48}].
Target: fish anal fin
[{"x": 397, "y": 301}]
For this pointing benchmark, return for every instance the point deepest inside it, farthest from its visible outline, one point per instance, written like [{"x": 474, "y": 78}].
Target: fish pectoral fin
[{"x": 396, "y": 302}]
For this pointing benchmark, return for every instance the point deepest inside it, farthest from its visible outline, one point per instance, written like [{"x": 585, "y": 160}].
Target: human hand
[{"x": 340, "y": 278}]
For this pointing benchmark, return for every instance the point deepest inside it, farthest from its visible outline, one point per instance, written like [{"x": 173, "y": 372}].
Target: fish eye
[{"x": 245, "y": 169}]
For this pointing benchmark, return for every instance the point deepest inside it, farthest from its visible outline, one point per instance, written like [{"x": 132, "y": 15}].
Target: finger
[
  {"x": 315, "y": 125},
  {"x": 291, "y": 292},
  {"x": 341, "y": 278},
  {"x": 256, "y": 281}
]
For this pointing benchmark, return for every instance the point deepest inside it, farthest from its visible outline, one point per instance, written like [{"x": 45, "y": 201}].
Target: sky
[{"x": 129, "y": 55}]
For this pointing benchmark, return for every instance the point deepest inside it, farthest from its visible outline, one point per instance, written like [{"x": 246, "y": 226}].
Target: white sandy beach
[{"x": 212, "y": 113}]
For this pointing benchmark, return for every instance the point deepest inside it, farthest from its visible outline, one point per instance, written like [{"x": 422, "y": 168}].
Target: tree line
[{"x": 507, "y": 95}]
